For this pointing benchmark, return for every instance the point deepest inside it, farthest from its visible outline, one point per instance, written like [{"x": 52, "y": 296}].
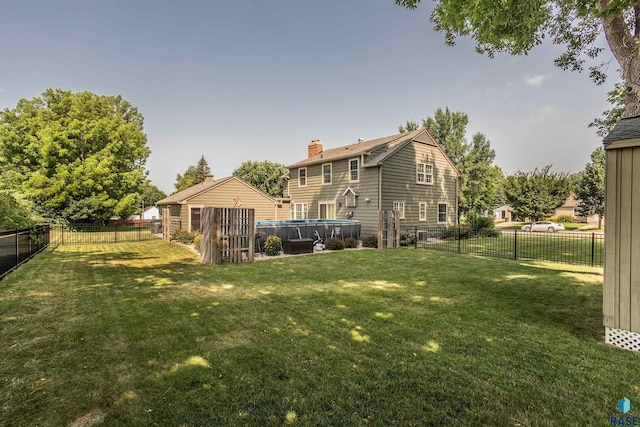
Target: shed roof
[
  {"x": 626, "y": 128},
  {"x": 183, "y": 196}
]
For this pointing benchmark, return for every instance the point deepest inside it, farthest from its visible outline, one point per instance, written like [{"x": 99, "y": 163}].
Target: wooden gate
[
  {"x": 166, "y": 224},
  {"x": 388, "y": 230},
  {"x": 228, "y": 235}
]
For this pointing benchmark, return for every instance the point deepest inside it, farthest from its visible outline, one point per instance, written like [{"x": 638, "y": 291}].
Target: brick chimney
[
  {"x": 315, "y": 147},
  {"x": 208, "y": 178}
]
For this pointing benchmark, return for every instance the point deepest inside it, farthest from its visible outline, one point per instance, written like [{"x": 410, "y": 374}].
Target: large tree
[
  {"x": 265, "y": 176},
  {"x": 535, "y": 195},
  {"x": 194, "y": 174},
  {"x": 79, "y": 156},
  {"x": 590, "y": 186},
  {"x": 150, "y": 194},
  {"x": 449, "y": 130},
  {"x": 409, "y": 126},
  {"x": 516, "y": 26},
  {"x": 482, "y": 178}
]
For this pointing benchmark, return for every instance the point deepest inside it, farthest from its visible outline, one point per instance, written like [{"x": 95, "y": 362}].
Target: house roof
[
  {"x": 183, "y": 196},
  {"x": 392, "y": 143},
  {"x": 356, "y": 149},
  {"x": 627, "y": 128}
]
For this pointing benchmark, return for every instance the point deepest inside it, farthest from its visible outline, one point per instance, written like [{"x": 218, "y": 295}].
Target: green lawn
[{"x": 143, "y": 334}]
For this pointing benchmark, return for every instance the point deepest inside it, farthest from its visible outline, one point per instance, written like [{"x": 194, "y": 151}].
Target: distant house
[
  {"x": 407, "y": 172},
  {"x": 570, "y": 208},
  {"x": 150, "y": 212},
  {"x": 503, "y": 214},
  {"x": 227, "y": 192}
]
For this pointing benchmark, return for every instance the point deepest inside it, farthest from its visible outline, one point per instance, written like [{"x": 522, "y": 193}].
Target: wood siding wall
[
  {"x": 399, "y": 185},
  {"x": 621, "y": 291},
  {"x": 315, "y": 192}
]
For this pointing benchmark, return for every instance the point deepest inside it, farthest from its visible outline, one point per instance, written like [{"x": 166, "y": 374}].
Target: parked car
[{"x": 549, "y": 226}]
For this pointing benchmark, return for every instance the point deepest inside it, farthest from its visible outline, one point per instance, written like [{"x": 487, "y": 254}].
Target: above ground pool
[{"x": 306, "y": 229}]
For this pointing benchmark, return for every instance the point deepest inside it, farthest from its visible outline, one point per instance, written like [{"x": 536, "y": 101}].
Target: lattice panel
[{"x": 623, "y": 339}]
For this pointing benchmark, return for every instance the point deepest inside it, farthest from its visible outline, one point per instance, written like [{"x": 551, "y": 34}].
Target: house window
[
  {"x": 422, "y": 211},
  {"x": 299, "y": 211},
  {"x": 442, "y": 213},
  {"x": 399, "y": 207},
  {"x": 424, "y": 173},
  {"x": 302, "y": 177},
  {"x": 354, "y": 170},
  {"x": 327, "y": 210},
  {"x": 194, "y": 219},
  {"x": 326, "y": 173}
]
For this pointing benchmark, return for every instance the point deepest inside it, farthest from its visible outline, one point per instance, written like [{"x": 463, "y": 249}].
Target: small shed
[
  {"x": 231, "y": 192},
  {"x": 621, "y": 292}
]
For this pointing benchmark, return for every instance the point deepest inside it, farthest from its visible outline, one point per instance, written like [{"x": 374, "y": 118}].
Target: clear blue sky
[{"x": 258, "y": 80}]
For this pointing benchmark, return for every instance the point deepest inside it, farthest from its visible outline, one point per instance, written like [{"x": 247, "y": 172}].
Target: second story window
[
  {"x": 354, "y": 170},
  {"x": 326, "y": 173},
  {"x": 424, "y": 173},
  {"x": 302, "y": 177}
]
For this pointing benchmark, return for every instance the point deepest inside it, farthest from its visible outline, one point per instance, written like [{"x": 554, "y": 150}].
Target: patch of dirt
[{"x": 93, "y": 417}]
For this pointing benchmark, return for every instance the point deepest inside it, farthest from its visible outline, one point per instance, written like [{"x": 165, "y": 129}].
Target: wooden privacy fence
[
  {"x": 228, "y": 235},
  {"x": 388, "y": 230}
]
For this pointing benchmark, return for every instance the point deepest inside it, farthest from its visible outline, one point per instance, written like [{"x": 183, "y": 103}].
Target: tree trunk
[{"x": 625, "y": 46}]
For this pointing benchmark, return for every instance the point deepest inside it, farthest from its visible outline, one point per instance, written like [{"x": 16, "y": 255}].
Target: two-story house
[{"x": 408, "y": 172}]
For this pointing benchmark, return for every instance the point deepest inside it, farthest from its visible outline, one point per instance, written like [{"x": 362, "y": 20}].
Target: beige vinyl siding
[
  {"x": 399, "y": 184},
  {"x": 223, "y": 196},
  {"x": 315, "y": 192}
]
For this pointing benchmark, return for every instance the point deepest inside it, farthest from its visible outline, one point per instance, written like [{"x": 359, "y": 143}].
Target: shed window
[{"x": 195, "y": 219}]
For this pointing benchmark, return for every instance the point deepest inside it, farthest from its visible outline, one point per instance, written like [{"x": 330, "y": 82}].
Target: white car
[{"x": 549, "y": 226}]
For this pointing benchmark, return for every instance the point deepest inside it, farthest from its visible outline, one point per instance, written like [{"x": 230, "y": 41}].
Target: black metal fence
[
  {"x": 563, "y": 247},
  {"x": 20, "y": 245},
  {"x": 83, "y": 234}
]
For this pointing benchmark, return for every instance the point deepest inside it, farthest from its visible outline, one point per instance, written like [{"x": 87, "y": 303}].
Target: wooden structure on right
[
  {"x": 388, "y": 230},
  {"x": 621, "y": 292}
]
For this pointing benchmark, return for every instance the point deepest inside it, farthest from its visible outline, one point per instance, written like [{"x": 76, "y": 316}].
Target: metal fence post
[
  {"x": 515, "y": 244},
  {"x": 415, "y": 237},
  {"x": 458, "y": 239},
  {"x": 115, "y": 233},
  {"x": 17, "y": 249},
  {"x": 593, "y": 248}
]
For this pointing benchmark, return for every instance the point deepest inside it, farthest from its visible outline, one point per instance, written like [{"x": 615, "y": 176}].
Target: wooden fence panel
[
  {"x": 166, "y": 224},
  {"x": 228, "y": 235},
  {"x": 388, "y": 230}
]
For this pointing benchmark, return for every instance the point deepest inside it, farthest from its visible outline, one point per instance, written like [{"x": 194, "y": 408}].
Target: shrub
[
  {"x": 480, "y": 222},
  {"x": 407, "y": 238},
  {"x": 196, "y": 242},
  {"x": 457, "y": 232},
  {"x": 272, "y": 245},
  {"x": 370, "y": 241},
  {"x": 350, "y": 243},
  {"x": 183, "y": 236},
  {"x": 334, "y": 244},
  {"x": 566, "y": 218}
]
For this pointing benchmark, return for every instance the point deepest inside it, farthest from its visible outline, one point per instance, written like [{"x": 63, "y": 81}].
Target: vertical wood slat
[
  {"x": 610, "y": 294},
  {"x": 625, "y": 196},
  {"x": 166, "y": 224},
  {"x": 635, "y": 241},
  {"x": 227, "y": 235}
]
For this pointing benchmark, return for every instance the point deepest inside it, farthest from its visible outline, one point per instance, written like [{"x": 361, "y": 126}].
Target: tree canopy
[
  {"x": 150, "y": 194},
  {"x": 78, "y": 156},
  {"x": 265, "y": 176},
  {"x": 590, "y": 186},
  {"x": 535, "y": 195},
  {"x": 194, "y": 174},
  {"x": 516, "y": 27}
]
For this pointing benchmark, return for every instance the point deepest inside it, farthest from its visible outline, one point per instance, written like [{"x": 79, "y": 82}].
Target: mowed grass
[{"x": 143, "y": 334}]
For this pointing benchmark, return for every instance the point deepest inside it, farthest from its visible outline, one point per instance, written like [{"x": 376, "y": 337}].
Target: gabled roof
[
  {"x": 357, "y": 149},
  {"x": 181, "y": 197},
  {"x": 627, "y": 128},
  {"x": 391, "y": 145}
]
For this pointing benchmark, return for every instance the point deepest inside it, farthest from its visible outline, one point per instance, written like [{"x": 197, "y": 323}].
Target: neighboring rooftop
[{"x": 190, "y": 192}]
